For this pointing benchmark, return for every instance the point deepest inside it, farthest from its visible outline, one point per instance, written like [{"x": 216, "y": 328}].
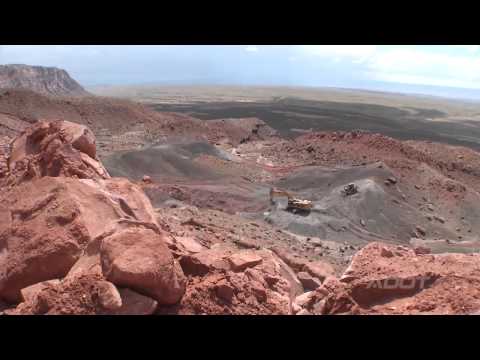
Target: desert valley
[{"x": 235, "y": 200}]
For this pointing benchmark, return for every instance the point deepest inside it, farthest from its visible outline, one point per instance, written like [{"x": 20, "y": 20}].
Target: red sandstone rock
[
  {"x": 405, "y": 283},
  {"x": 79, "y": 297},
  {"x": 201, "y": 263},
  {"x": 54, "y": 149},
  {"x": 89, "y": 263},
  {"x": 29, "y": 293},
  {"x": 135, "y": 304},
  {"x": 139, "y": 259},
  {"x": 230, "y": 293},
  {"x": 262, "y": 289},
  {"x": 47, "y": 223},
  {"x": 225, "y": 291},
  {"x": 64, "y": 217},
  {"x": 243, "y": 260},
  {"x": 302, "y": 300},
  {"x": 319, "y": 269},
  {"x": 86, "y": 295},
  {"x": 188, "y": 245},
  {"x": 295, "y": 263},
  {"x": 108, "y": 296},
  {"x": 308, "y": 282}
]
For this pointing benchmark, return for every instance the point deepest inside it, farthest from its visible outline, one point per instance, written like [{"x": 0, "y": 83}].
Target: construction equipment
[
  {"x": 350, "y": 189},
  {"x": 293, "y": 202}
]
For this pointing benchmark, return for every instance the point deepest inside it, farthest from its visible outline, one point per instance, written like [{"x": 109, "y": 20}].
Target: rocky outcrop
[
  {"x": 54, "y": 149},
  {"x": 225, "y": 280},
  {"x": 43, "y": 80},
  {"x": 70, "y": 234},
  {"x": 47, "y": 223},
  {"x": 86, "y": 295},
  {"x": 385, "y": 279}
]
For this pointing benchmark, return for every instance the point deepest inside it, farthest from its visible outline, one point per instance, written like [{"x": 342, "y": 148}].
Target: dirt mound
[
  {"x": 238, "y": 131},
  {"x": 175, "y": 126},
  {"x": 165, "y": 161},
  {"x": 43, "y": 80},
  {"x": 197, "y": 173}
]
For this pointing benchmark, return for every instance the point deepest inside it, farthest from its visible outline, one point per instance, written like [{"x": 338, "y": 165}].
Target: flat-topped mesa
[
  {"x": 44, "y": 80},
  {"x": 58, "y": 148}
]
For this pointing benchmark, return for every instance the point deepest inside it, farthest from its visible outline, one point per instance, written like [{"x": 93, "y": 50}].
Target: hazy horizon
[
  {"x": 447, "y": 71},
  {"x": 459, "y": 94}
]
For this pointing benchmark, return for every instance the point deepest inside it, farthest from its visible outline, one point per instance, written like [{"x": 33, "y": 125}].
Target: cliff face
[{"x": 43, "y": 80}]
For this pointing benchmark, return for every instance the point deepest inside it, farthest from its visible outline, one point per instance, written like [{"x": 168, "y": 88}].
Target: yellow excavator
[{"x": 293, "y": 202}]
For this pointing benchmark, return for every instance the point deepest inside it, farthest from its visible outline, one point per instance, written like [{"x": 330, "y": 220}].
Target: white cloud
[
  {"x": 251, "y": 48},
  {"x": 424, "y": 80},
  {"x": 418, "y": 66},
  {"x": 456, "y": 66},
  {"x": 470, "y": 48},
  {"x": 354, "y": 53}
]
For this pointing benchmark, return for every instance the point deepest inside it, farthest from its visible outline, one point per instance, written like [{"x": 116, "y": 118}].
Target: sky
[{"x": 426, "y": 68}]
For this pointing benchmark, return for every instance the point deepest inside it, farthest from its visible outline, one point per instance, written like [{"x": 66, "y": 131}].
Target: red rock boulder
[
  {"x": 45, "y": 225},
  {"x": 203, "y": 262},
  {"x": 59, "y": 148},
  {"x": 319, "y": 269},
  {"x": 135, "y": 304},
  {"x": 225, "y": 280},
  {"x": 139, "y": 259}
]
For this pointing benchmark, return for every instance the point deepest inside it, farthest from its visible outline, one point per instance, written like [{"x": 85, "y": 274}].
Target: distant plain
[{"x": 295, "y": 110}]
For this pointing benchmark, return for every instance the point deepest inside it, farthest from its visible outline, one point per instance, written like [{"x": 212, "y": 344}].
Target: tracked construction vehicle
[
  {"x": 293, "y": 203},
  {"x": 350, "y": 189}
]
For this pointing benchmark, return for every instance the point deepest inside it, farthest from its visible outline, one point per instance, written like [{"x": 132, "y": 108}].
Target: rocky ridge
[{"x": 43, "y": 80}]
